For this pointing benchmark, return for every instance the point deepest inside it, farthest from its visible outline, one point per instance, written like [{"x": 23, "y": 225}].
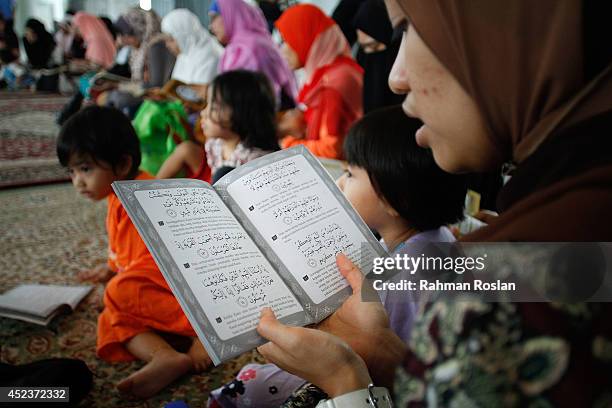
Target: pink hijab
[
  {"x": 250, "y": 46},
  {"x": 100, "y": 46}
]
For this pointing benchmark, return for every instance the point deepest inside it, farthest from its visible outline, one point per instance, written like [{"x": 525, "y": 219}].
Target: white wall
[
  {"x": 46, "y": 11},
  {"x": 109, "y": 8},
  {"x": 327, "y": 6}
]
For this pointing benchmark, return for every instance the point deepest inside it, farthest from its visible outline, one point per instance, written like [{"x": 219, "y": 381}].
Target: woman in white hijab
[{"x": 197, "y": 51}]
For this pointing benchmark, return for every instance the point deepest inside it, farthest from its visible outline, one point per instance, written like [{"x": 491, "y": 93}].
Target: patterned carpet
[
  {"x": 27, "y": 138},
  {"x": 48, "y": 234}
]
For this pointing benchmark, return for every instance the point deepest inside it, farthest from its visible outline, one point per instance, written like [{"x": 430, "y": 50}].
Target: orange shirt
[
  {"x": 137, "y": 299},
  {"x": 125, "y": 247}
]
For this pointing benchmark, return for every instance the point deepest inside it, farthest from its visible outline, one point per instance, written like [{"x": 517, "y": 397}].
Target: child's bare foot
[
  {"x": 199, "y": 356},
  {"x": 166, "y": 366}
]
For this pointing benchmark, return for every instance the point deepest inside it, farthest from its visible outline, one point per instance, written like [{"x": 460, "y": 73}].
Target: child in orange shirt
[{"x": 99, "y": 146}]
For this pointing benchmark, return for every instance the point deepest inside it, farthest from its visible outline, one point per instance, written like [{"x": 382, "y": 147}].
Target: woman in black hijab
[
  {"x": 377, "y": 51},
  {"x": 343, "y": 15},
  {"x": 9, "y": 44},
  {"x": 38, "y": 44}
]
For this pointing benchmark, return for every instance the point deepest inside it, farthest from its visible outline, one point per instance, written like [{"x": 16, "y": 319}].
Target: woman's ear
[{"x": 125, "y": 167}]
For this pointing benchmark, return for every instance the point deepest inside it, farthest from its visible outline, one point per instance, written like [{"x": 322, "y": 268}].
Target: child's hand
[
  {"x": 292, "y": 123},
  {"x": 99, "y": 274}
]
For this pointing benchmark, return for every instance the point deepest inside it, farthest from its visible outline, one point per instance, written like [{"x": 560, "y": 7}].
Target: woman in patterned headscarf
[{"x": 150, "y": 61}]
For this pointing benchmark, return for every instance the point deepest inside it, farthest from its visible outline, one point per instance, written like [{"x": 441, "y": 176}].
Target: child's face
[
  {"x": 216, "y": 119},
  {"x": 357, "y": 188},
  {"x": 92, "y": 180}
]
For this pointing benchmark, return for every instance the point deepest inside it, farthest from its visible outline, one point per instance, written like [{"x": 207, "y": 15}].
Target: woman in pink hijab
[
  {"x": 100, "y": 46},
  {"x": 243, "y": 30},
  {"x": 99, "y": 54}
]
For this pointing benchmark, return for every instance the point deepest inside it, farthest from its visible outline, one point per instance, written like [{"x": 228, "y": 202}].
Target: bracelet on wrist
[{"x": 371, "y": 397}]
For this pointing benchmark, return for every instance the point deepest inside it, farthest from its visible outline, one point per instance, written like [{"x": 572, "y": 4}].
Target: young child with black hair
[
  {"x": 401, "y": 193},
  {"x": 239, "y": 123},
  {"x": 98, "y": 145}
]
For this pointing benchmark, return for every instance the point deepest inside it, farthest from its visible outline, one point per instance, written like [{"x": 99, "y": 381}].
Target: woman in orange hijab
[
  {"x": 334, "y": 81},
  {"x": 493, "y": 84}
]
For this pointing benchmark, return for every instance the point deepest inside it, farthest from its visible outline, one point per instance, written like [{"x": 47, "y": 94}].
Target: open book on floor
[
  {"x": 266, "y": 234},
  {"x": 39, "y": 304}
]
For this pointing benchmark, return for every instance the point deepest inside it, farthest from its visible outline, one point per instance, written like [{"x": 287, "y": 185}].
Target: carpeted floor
[
  {"x": 27, "y": 138},
  {"x": 48, "y": 234}
]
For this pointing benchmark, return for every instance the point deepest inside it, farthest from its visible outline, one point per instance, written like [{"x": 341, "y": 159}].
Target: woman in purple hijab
[{"x": 243, "y": 30}]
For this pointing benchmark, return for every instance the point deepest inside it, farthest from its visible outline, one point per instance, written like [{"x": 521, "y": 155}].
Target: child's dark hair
[
  {"x": 405, "y": 175},
  {"x": 251, "y": 99},
  {"x": 104, "y": 134}
]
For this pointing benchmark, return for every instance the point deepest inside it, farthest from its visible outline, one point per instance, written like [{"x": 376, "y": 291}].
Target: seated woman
[
  {"x": 488, "y": 98},
  {"x": 9, "y": 44},
  {"x": 38, "y": 44},
  {"x": 377, "y": 51},
  {"x": 197, "y": 52},
  {"x": 162, "y": 117},
  {"x": 243, "y": 30},
  {"x": 63, "y": 38},
  {"x": 9, "y": 54},
  {"x": 332, "y": 95},
  {"x": 100, "y": 47},
  {"x": 150, "y": 61},
  {"x": 99, "y": 55}
]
